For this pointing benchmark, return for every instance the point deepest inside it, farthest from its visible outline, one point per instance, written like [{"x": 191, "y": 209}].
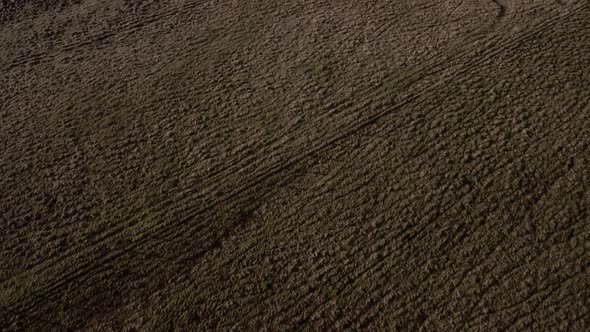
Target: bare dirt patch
[{"x": 178, "y": 165}]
